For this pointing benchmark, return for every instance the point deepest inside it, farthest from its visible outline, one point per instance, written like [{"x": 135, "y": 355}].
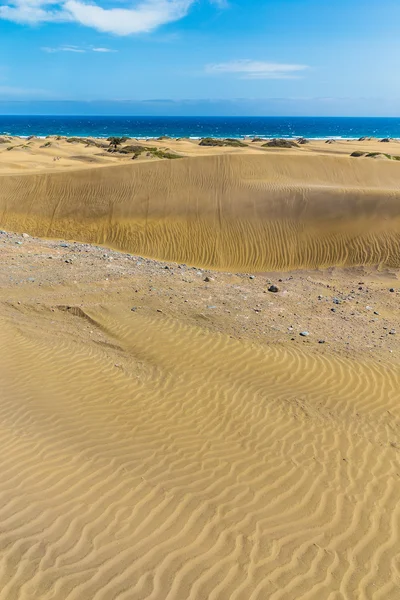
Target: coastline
[{"x": 316, "y": 128}]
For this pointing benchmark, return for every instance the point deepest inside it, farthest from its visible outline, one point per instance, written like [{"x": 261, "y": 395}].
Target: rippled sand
[
  {"x": 250, "y": 211},
  {"x": 160, "y": 454}
]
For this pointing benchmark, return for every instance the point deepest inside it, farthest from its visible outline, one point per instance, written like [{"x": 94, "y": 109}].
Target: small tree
[{"x": 116, "y": 141}]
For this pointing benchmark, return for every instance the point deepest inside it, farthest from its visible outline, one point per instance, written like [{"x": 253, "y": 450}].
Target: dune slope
[
  {"x": 222, "y": 470},
  {"x": 243, "y": 212}
]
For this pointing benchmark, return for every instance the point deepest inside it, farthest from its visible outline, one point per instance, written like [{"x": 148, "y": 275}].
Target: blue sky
[{"x": 251, "y": 56}]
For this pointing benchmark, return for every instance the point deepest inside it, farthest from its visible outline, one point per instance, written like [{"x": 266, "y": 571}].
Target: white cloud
[
  {"x": 142, "y": 16},
  {"x": 102, "y": 50},
  {"x": 76, "y": 49},
  {"x": 63, "y": 49},
  {"x": 253, "y": 69}
]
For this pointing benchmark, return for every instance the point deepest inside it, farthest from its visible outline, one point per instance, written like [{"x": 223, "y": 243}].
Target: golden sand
[
  {"x": 243, "y": 211},
  {"x": 152, "y": 453}
]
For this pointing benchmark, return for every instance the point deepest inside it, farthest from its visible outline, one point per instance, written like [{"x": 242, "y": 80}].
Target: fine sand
[
  {"x": 244, "y": 209},
  {"x": 166, "y": 432}
]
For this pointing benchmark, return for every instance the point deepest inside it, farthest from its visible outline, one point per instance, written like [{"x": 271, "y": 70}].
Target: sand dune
[
  {"x": 236, "y": 211},
  {"x": 225, "y": 470},
  {"x": 166, "y": 435}
]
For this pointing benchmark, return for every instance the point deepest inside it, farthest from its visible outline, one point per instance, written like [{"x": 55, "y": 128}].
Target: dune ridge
[
  {"x": 243, "y": 212},
  {"x": 226, "y": 470}
]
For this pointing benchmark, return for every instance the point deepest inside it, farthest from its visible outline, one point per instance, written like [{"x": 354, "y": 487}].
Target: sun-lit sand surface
[
  {"x": 243, "y": 209},
  {"x": 166, "y": 432}
]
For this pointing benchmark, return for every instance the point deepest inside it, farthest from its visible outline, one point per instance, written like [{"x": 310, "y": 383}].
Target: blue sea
[{"x": 198, "y": 127}]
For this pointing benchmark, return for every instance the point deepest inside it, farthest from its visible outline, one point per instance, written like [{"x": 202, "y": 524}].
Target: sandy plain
[{"x": 166, "y": 431}]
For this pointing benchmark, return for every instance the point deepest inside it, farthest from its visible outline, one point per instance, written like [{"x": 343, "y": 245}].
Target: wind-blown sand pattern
[
  {"x": 225, "y": 470},
  {"x": 243, "y": 212},
  {"x": 165, "y": 432}
]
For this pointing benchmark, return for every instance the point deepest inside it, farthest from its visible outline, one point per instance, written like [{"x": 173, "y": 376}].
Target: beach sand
[{"x": 166, "y": 430}]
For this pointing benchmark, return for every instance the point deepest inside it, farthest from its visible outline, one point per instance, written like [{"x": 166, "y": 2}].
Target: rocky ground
[{"x": 349, "y": 312}]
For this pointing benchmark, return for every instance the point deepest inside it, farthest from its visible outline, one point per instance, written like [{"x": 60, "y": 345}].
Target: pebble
[
  {"x": 252, "y": 277},
  {"x": 273, "y": 289},
  {"x": 304, "y": 333},
  {"x": 391, "y": 290},
  {"x": 64, "y": 245},
  {"x": 321, "y": 341},
  {"x": 134, "y": 308},
  {"x": 207, "y": 279},
  {"x": 25, "y": 235},
  {"x": 392, "y": 332},
  {"x": 336, "y": 301}
]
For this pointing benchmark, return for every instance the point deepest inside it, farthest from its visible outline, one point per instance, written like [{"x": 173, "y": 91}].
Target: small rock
[
  {"x": 273, "y": 288},
  {"x": 321, "y": 341},
  {"x": 333, "y": 309},
  {"x": 392, "y": 332},
  {"x": 304, "y": 334},
  {"x": 337, "y": 301},
  {"x": 25, "y": 235},
  {"x": 391, "y": 290},
  {"x": 211, "y": 307},
  {"x": 64, "y": 245},
  {"x": 207, "y": 279},
  {"x": 134, "y": 308},
  {"x": 252, "y": 277}
]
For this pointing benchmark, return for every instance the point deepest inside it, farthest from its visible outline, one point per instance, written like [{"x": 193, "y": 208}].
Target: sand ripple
[
  {"x": 223, "y": 470},
  {"x": 243, "y": 212}
]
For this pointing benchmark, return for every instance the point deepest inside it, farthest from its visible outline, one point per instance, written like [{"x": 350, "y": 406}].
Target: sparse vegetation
[
  {"x": 280, "y": 143},
  {"x": 116, "y": 141},
  {"x": 235, "y": 143},
  {"x": 137, "y": 150},
  {"x": 358, "y": 153}
]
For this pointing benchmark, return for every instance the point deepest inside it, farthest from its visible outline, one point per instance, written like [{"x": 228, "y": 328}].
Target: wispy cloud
[
  {"x": 8, "y": 91},
  {"x": 253, "y": 69},
  {"x": 144, "y": 16},
  {"x": 76, "y": 49},
  {"x": 103, "y": 50}
]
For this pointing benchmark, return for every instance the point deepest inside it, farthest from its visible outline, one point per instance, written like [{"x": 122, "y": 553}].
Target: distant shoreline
[{"x": 313, "y": 128}]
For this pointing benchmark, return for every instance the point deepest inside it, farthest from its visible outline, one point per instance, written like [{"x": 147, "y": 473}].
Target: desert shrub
[
  {"x": 117, "y": 141},
  {"x": 235, "y": 143},
  {"x": 280, "y": 143}
]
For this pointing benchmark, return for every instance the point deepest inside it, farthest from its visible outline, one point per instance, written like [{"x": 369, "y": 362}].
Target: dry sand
[{"x": 167, "y": 433}]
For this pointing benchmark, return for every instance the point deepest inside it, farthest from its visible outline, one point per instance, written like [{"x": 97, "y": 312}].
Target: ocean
[{"x": 198, "y": 127}]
